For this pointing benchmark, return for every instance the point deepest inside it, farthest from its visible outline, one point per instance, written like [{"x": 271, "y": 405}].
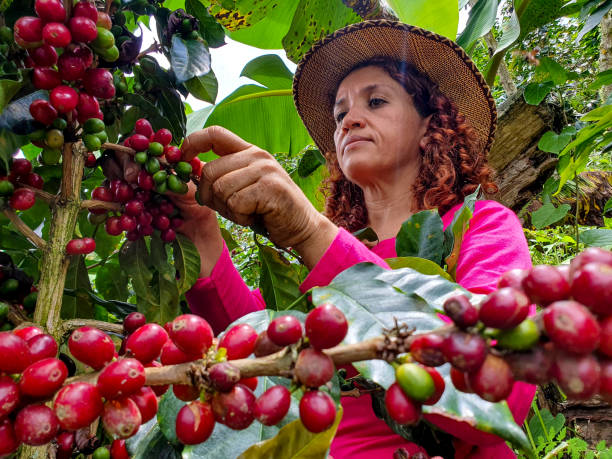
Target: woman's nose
[{"x": 353, "y": 119}]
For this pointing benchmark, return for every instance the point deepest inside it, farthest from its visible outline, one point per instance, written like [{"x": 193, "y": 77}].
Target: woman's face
[{"x": 377, "y": 128}]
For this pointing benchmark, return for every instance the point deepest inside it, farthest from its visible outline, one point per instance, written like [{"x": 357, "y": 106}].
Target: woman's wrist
[{"x": 316, "y": 244}]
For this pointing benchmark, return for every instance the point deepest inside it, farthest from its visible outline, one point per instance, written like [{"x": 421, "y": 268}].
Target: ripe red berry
[
  {"x": 134, "y": 207},
  {"x": 29, "y": 28},
  {"x": 163, "y": 136},
  {"x": 127, "y": 223},
  {"x": 460, "y": 380},
  {"x": 50, "y": 10},
  {"x": 459, "y": 309},
  {"x": 185, "y": 392},
  {"x": 172, "y": 355},
  {"x": 104, "y": 20},
  {"x": 533, "y": 366},
  {"x": 239, "y": 341},
  {"x": 27, "y": 333},
  {"x": 590, "y": 255},
  {"x": 143, "y": 127},
  {"x": 223, "y": 376},
  {"x": 325, "y": 326},
  {"x": 22, "y": 199},
  {"x": 99, "y": 83},
  {"x": 43, "y": 378},
  {"x": 605, "y": 343},
  {"x": 194, "y": 423},
  {"x": 36, "y": 425},
  {"x": 123, "y": 192},
  {"x": 21, "y": 166},
  {"x": 133, "y": 321},
  {"x": 14, "y": 353},
  {"x": 91, "y": 346},
  {"x": 464, "y": 351},
  {"x": 605, "y": 381},
  {"x": 75, "y": 247},
  {"x": 56, "y": 34},
  {"x": 504, "y": 308},
  {"x": 145, "y": 180},
  {"x": 9, "y": 395},
  {"x": 42, "y": 111},
  {"x": 65, "y": 444},
  {"x": 90, "y": 161},
  {"x": 285, "y": 330},
  {"x": 592, "y": 286},
  {"x": 146, "y": 343},
  {"x": 234, "y": 408},
  {"x": 439, "y": 386},
  {"x": 118, "y": 450},
  {"x": 196, "y": 166},
  {"x": 544, "y": 284},
  {"x": 85, "y": 9},
  {"x": 168, "y": 235},
  {"x": 44, "y": 56},
  {"x": 512, "y": 278},
  {"x": 313, "y": 368},
  {"x": 317, "y": 411},
  {"x": 64, "y": 99},
  {"x": 83, "y": 29},
  {"x": 427, "y": 349},
  {"x": 34, "y": 180},
  {"x": 191, "y": 333},
  {"x": 139, "y": 142},
  {"x": 89, "y": 245},
  {"x": 172, "y": 154},
  {"x": 113, "y": 226},
  {"x": 571, "y": 327},
  {"x": 87, "y": 107},
  {"x": 120, "y": 378},
  {"x": 8, "y": 439},
  {"x": 265, "y": 346},
  {"x": 161, "y": 222},
  {"x": 272, "y": 406},
  {"x": 493, "y": 381},
  {"x": 400, "y": 407},
  {"x": 146, "y": 401},
  {"x": 121, "y": 417},
  {"x": 251, "y": 383},
  {"x": 77, "y": 405},
  {"x": 71, "y": 67},
  {"x": 42, "y": 346},
  {"x": 577, "y": 375}
]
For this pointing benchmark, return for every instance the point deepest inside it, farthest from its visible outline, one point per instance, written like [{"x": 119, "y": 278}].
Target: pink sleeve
[
  {"x": 223, "y": 297},
  {"x": 494, "y": 244},
  {"x": 344, "y": 252}
]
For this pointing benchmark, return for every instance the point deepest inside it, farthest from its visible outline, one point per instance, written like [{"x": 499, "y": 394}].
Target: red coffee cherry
[
  {"x": 464, "y": 351},
  {"x": 14, "y": 353},
  {"x": 88, "y": 107},
  {"x": 83, "y": 29},
  {"x": 145, "y": 181},
  {"x": 29, "y": 28},
  {"x": 77, "y": 405},
  {"x": 161, "y": 222},
  {"x": 439, "y": 386},
  {"x": 43, "y": 378},
  {"x": 42, "y": 111},
  {"x": 605, "y": 343},
  {"x": 427, "y": 349},
  {"x": 317, "y": 411},
  {"x": 313, "y": 368},
  {"x": 325, "y": 326},
  {"x": 8, "y": 439},
  {"x": 234, "y": 408},
  {"x": 533, "y": 366},
  {"x": 75, "y": 247},
  {"x": 251, "y": 383},
  {"x": 265, "y": 346},
  {"x": 172, "y": 154},
  {"x": 26, "y": 333},
  {"x": 134, "y": 207},
  {"x": 163, "y": 136},
  {"x": 85, "y": 9},
  {"x": 592, "y": 286},
  {"x": 143, "y": 127},
  {"x": 284, "y": 330},
  {"x": 91, "y": 346},
  {"x": 590, "y": 255},
  {"x": 185, "y": 392},
  {"x": 146, "y": 401},
  {"x": 9, "y": 395},
  {"x": 89, "y": 245},
  {"x": 544, "y": 284},
  {"x": 64, "y": 99},
  {"x": 71, "y": 67},
  {"x": 239, "y": 341},
  {"x": 50, "y": 10},
  {"x": 605, "y": 381},
  {"x": 400, "y": 407},
  {"x": 577, "y": 375},
  {"x": 460, "y": 380},
  {"x": 493, "y": 381},
  {"x": 121, "y": 417},
  {"x": 133, "y": 321},
  {"x": 168, "y": 235},
  {"x": 139, "y": 142},
  {"x": 21, "y": 166},
  {"x": 191, "y": 333},
  {"x": 571, "y": 327},
  {"x": 118, "y": 450},
  {"x": 194, "y": 423},
  {"x": 224, "y": 376},
  {"x": 36, "y": 425},
  {"x": 512, "y": 278},
  {"x": 146, "y": 343},
  {"x": 22, "y": 199},
  {"x": 120, "y": 378},
  {"x": 504, "y": 308},
  {"x": 99, "y": 83},
  {"x": 272, "y": 406},
  {"x": 459, "y": 309},
  {"x": 65, "y": 444},
  {"x": 56, "y": 34}
]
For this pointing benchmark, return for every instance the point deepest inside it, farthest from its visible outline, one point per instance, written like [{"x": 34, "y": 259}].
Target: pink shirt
[{"x": 493, "y": 244}]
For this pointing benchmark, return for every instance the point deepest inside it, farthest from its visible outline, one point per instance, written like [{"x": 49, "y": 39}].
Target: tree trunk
[{"x": 605, "y": 52}]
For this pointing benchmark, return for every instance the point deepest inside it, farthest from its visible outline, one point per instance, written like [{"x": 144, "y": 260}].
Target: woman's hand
[{"x": 247, "y": 183}]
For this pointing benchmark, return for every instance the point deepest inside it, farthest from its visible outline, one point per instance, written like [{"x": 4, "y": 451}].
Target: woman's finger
[
  {"x": 130, "y": 168},
  {"x": 216, "y": 138},
  {"x": 232, "y": 182}
]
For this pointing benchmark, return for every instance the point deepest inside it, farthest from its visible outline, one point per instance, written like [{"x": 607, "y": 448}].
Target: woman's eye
[
  {"x": 339, "y": 116},
  {"x": 376, "y": 101}
]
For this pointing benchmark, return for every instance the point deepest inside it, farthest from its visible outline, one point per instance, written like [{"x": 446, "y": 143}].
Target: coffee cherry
[
  {"x": 224, "y": 376},
  {"x": 8, "y": 439},
  {"x": 239, "y": 341},
  {"x": 272, "y": 406},
  {"x": 139, "y": 142},
  {"x": 400, "y": 407},
  {"x": 50, "y": 10},
  {"x": 520, "y": 338},
  {"x": 185, "y": 392},
  {"x": 121, "y": 417},
  {"x": 83, "y": 29},
  {"x": 513, "y": 278},
  {"x": 28, "y": 28},
  {"x": 605, "y": 343},
  {"x": 533, "y": 366},
  {"x": 493, "y": 381},
  {"x": 99, "y": 83},
  {"x": 191, "y": 333},
  {"x": 87, "y": 107},
  {"x": 143, "y": 127},
  {"x": 605, "y": 381},
  {"x": 464, "y": 351},
  {"x": 134, "y": 207},
  {"x": 65, "y": 445},
  {"x": 21, "y": 166},
  {"x": 34, "y": 180},
  {"x": 102, "y": 193},
  {"x": 234, "y": 408},
  {"x": 91, "y": 346},
  {"x": 325, "y": 326},
  {"x": 460, "y": 380},
  {"x": 163, "y": 136},
  {"x": 313, "y": 368},
  {"x": 284, "y": 330},
  {"x": 577, "y": 375},
  {"x": 14, "y": 353},
  {"x": 9, "y": 395},
  {"x": 118, "y": 450},
  {"x": 172, "y": 355},
  {"x": 592, "y": 286},
  {"x": 146, "y": 343},
  {"x": 544, "y": 284},
  {"x": 265, "y": 346},
  {"x": 56, "y": 34},
  {"x": 123, "y": 192},
  {"x": 172, "y": 154},
  {"x": 43, "y": 112},
  {"x": 120, "y": 378},
  {"x": 145, "y": 180},
  {"x": 113, "y": 226},
  {"x": 146, "y": 401},
  {"x": 427, "y": 349},
  {"x": 75, "y": 247},
  {"x": 36, "y": 425},
  {"x": 85, "y": 9},
  {"x": 317, "y": 411},
  {"x": 71, "y": 68},
  {"x": 89, "y": 245},
  {"x": 439, "y": 386},
  {"x": 27, "y": 333},
  {"x": 133, "y": 321},
  {"x": 101, "y": 453},
  {"x": 415, "y": 381},
  {"x": 161, "y": 222},
  {"x": 459, "y": 309},
  {"x": 571, "y": 327},
  {"x": 504, "y": 308},
  {"x": 43, "y": 378},
  {"x": 194, "y": 423},
  {"x": 168, "y": 235},
  {"x": 104, "y": 20},
  {"x": 590, "y": 255}
]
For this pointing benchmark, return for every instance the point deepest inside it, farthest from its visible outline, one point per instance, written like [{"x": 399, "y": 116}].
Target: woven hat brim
[{"x": 323, "y": 68}]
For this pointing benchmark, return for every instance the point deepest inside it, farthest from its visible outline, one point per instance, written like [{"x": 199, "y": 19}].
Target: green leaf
[
  {"x": 134, "y": 260},
  {"x": 535, "y": 93},
  {"x": 548, "y": 214},
  {"x": 188, "y": 58},
  {"x": 482, "y": 18},
  {"x": 453, "y": 234},
  {"x": 366, "y": 234},
  {"x": 111, "y": 281},
  {"x": 8, "y": 88},
  {"x": 229, "y": 240},
  {"x": 128, "y": 120},
  {"x": 172, "y": 108},
  {"x": 204, "y": 87},
  {"x": 539, "y": 13},
  {"x": 552, "y": 425},
  {"x": 14, "y": 240},
  {"x": 441, "y": 17},
  {"x": 511, "y": 29},
  {"x": 594, "y": 19},
  {"x": 551, "y": 142},
  {"x": 210, "y": 30},
  {"x": 149, "y": 111},
  {"x": 599, "y": 237},
  {"x": 117, "y": 308},
  {"x": 418, "y": 264},
  {"x": 169, "y": 406},
  {"x": 149, "y": 442},
  {"x": 310, "y": 161},
  {"x": 421, "y": 235},
  {"x": 77, "y": 278},
  {"x": 294, "y": 441},
  {"x": 270, "y": 71},
  {"x": 187, "y": 262},
  {"x": 597, "y": 113},
  {"x": 607, "y": 207},
  {"x": 279, "y": 281},
  {"x": 550, "y": 70},
  {"x": 197, "y": 119},
  {"x": 602, "y": 79}
]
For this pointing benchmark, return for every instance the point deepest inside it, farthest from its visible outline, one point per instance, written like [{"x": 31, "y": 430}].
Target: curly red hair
[{"x": 452, "y": 164}]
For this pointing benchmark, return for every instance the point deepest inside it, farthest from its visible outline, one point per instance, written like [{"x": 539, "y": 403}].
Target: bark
[{"x": 605, "y": 52}]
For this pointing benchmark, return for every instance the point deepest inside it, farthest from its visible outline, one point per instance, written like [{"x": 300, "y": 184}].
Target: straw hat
[{"x": 327, "y": 63}]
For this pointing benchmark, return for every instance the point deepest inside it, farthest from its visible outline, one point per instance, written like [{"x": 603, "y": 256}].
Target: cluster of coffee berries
[
  {"x": 20, "y": 173},
  {"x": 16, "y": 290}
]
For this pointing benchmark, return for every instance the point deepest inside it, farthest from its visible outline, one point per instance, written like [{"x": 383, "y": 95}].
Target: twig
[
  {"x": 154, "y": 48},
  {"x": 40, "y": 194},
  {"x": 104, "y": 260},
  {"x": 117, "y": 147},
  {"x": 16, "y": 316},
  {"x": 73, "y": 324},
  {"x": 97, "y": 204},
  {"x": 557, "y": 450},
  {"x": 24, "y": 229}
]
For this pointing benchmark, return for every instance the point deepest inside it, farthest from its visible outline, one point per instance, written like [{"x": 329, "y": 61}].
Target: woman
[{"x": 405, "y": 121}]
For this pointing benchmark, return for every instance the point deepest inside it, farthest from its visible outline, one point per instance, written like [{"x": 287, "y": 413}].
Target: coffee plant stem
[
  {"x": 24, "y": 229},
  {"x": 117, "y": 147},
  {"x": 97, "y": 204},
  {"x": 40, "y": 194},
  {"x": 557, "y": 450},
  {"x": 73, "y": 324}
]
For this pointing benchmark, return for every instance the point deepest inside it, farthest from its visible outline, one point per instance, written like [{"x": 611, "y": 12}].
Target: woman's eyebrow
[{"x": 366, "y": 89}]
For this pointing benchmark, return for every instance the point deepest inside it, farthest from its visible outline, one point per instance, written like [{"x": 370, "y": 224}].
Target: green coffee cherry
[
  {"x": 520, "y": 338},
  {"x": 29, "y": 302},
  {"x": 102, "y": 135},
  {"x": 6, "y": 188},
  {"x": 101, "y": 453},
  {"x": 9, "y": 286},
  {"x": 152, "y": 165},
  {"x": 54, "y": 138},
  {"x": 104, "y": 40},
  {"x": 176, "y": 185},
  {"x": 141, "y": 157},
  {"x": 93, "y": 126},
  {"x": 92, "y": 142},
  {"x": 156, "y": 149},
  {"x": 161, "y": 187},
  {"x": 60, "y": 123},
  {"x": 50, "y": 156},
  {"x": 137, "y": 87},
  {"x": 4, "y": 309},
  {"x": 183, "y": 168},
  {"x": 415, "y": 381},
  {"x": 37, "y": 135},
  {"x": 110, "y": 54},
  {"x": 6, "y": 34},
  {"x": 160, "y": 176}
]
